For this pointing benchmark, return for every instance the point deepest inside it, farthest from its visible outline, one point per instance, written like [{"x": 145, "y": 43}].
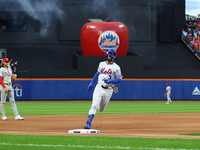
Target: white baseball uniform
[
  {"x": 103, "y": 92},
  {"x": 168, "y": 89},
  {"x": 7, "y": 74}
]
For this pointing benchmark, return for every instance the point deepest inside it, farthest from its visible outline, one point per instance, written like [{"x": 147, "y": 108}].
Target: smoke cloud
[
  {"x": 99, "y": 7},
  {"x": 43, "y": 11}
]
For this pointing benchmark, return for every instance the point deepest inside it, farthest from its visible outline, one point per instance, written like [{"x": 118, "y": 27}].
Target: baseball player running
[
  {"x": 167, "y": 93},
  {"x": 108, "y": 74},
  {"x": 7, "y": 90}
]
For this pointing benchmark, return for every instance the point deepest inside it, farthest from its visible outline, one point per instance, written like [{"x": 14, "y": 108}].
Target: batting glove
[{"x": 107, "y": 81}]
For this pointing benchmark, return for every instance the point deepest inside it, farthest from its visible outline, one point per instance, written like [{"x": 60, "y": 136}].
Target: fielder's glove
[
  {"x": 13, "y": 77},
  {"x": 165, "y": 95}
]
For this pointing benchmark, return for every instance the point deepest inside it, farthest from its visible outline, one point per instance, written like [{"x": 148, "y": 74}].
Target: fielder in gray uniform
[
  {"x": 168, "y": 93},
  {"x": 7, "y": 90},
  {"x": 108, "y": 74}
]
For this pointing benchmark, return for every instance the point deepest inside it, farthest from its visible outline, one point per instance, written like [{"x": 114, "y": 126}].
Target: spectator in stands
[
  {"x": 13, "y": 66},
  {"x": 195, "y": 33},
  {"x": 185, "y": 36},
  {"x": 198, "y": 38},
  {"x": 195, "y": 26},
  {"x": 198, "y": 25},
  {"x": 184, "y": 32},
  {"x": 190, "y": 27},
  {"x": 189, "y": 31},
  {"x": 196, "y": 46},
  {"x": 190, "y": 37}
]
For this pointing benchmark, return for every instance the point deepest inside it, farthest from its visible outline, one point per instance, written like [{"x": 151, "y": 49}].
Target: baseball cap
[
  {"x": 167, "y": 84},
  {"x": 5, "y": 60}
]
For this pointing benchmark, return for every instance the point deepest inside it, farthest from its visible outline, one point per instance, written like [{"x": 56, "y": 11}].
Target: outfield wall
[{"x": 128, "y": 89}]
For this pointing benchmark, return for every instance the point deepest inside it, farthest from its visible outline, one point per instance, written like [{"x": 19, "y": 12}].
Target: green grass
[
  {"x": 30, "y": 142},
  {"x": 197, "y": 134},
  {"x": 69, "y": 108},
  {"x": 33, "y": 142}
]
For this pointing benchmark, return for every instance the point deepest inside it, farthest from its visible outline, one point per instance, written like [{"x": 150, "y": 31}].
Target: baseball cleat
[
  {"x": 89, "y": 121},
  {"x": 87, "y": 126},
  {"x": 167, "y": 103},
  {"x": 18, "y": 117},
  {"x": 4, "y": 118}
]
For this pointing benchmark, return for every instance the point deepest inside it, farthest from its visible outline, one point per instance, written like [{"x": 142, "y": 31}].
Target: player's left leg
[
  {"x": 105, "y": 100},
  {"x": 168, "y": 98},
  {"x": 13, "y": 104}
]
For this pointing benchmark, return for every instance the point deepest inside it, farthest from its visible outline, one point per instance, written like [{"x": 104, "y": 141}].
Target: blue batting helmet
[{"x": 112, "y": 53}]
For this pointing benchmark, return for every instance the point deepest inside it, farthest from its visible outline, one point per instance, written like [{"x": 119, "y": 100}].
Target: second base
[{"x": 86, "y": 131}]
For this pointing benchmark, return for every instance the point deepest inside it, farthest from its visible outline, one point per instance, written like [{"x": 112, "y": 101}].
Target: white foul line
[
  {"x": 97, "y": 147},
  {"x": 111, "y": 134},
  {"x": 153, "y": 135}
]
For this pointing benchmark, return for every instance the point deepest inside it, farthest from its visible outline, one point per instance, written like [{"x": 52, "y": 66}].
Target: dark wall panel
[
  {"x": 165, "y": 23},
  {"x": 51, "y": 54},
  {"x": 138, "y": 19},
  {"x": 139, "y": 22}
]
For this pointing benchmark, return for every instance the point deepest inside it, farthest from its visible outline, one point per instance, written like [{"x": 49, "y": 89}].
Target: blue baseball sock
[{"x": 89, "y": 119}]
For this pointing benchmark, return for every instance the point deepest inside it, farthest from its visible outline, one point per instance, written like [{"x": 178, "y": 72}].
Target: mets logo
[
  {"x": 108, "y": 40},
  {"x": 17, "y": 90}
]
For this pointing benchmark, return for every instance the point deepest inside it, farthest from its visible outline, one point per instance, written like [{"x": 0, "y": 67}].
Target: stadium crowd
[{"x": 191, "y": 36}]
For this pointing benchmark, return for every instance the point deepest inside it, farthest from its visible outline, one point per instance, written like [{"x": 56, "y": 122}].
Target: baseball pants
[
  {"x": 100, "y": 99},
  {"x": 11, "y": 98}
]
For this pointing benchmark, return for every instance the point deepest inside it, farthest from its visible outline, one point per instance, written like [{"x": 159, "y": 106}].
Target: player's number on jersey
[{"x": 115, "y": 90}]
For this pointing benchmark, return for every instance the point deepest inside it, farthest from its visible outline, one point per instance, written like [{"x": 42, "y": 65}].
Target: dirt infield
[{"x": 132, "y": 125}]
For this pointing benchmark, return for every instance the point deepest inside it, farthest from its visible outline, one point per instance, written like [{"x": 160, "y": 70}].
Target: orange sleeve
[{"x": 1, "y": 82}]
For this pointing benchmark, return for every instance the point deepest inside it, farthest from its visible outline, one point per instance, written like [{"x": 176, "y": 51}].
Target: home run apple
[{"x": 98, "y": 37}]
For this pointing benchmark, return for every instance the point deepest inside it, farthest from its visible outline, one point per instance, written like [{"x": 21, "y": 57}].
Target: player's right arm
[
  {"x": 166, "y": 92},
  {"x": 3, "y": 85},
  {"x": 93, "y": 80},
  {"x": 1, "y": 80},
  {"x": 95, "y": 77}
]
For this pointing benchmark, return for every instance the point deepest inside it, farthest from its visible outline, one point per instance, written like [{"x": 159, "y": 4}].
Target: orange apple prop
[{"x": 98, "y": 37}]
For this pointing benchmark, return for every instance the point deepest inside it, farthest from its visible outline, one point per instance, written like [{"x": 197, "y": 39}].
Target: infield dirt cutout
[{"x": 123, "y": 125}]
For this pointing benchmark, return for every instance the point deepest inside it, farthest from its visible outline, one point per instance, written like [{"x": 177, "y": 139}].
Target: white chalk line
[
  {"x": 93, "y": 147},
  {"x": 153, "y": 135},
  {"x": 112, "y": 134}
]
